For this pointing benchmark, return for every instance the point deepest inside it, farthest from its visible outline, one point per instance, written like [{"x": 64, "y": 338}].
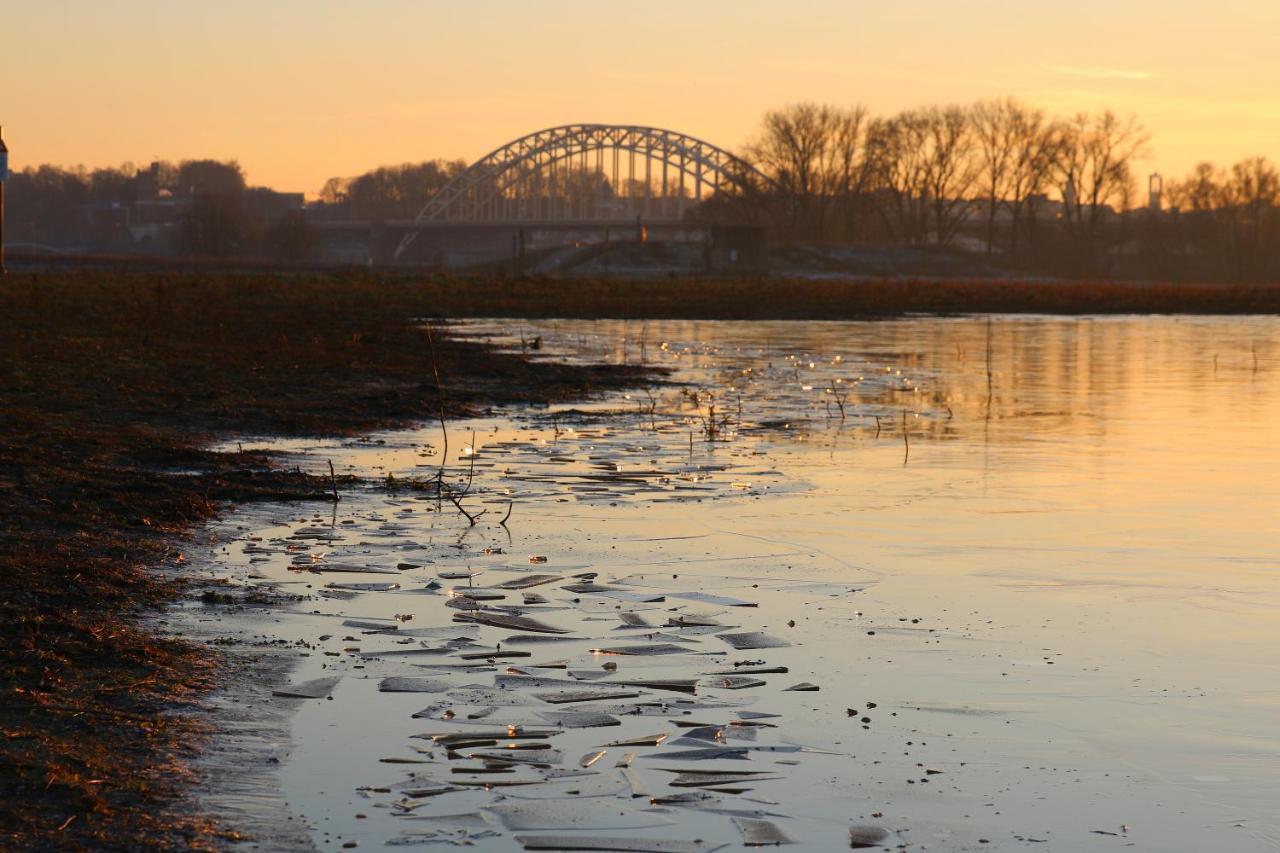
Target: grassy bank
[{"x": 111, "y": 387}]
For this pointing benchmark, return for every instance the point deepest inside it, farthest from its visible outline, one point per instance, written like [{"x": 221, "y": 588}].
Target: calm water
[{"x": 1045, "y": 550}]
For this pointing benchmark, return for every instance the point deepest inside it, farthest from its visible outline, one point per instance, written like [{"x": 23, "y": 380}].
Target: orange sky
[{"x": 301, "y": 91}]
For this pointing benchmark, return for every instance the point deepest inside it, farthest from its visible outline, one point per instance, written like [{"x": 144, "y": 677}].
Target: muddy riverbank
[{"x": 112, "y": 390}]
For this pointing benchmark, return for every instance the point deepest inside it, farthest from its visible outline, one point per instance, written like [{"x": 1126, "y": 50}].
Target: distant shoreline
[{"x": 763, "y": 297}]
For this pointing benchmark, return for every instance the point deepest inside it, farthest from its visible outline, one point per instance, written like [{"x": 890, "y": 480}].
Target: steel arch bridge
[{"x": 587, "y": 173}]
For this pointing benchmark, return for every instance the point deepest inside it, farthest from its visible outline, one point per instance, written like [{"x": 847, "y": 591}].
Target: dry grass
[{"x": 781, "y": 299}]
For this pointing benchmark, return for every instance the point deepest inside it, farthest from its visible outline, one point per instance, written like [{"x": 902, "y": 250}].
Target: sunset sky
[{"x": 302, "y": 90}]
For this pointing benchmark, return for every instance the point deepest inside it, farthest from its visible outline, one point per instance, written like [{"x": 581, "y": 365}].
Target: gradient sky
[{"x": 301, "y": 90}]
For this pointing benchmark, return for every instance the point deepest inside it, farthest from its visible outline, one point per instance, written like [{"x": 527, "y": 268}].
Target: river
[{"x": 1031, "y": 565}]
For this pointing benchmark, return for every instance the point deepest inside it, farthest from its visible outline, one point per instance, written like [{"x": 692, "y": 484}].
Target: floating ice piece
[
  {"x": 643, "y": 740},
  {"x": 443, "y": 632},
  {"x": 527, "y": 581},
  {"x": 717, "y": 778},
  {"x": 512, "y": 623},
  {"x": 476, "y": 593},
  {"x": 370, "y": 625},
  {"x": 364, "y": 587},
  {"x": 703, "y": 753},
  {"x": 459, "y": 837},
  {"x": 315, "y": 689},
  {"x": 645, "y": 649},
  {"x": 753, "y": 640},
  {"x": 612, "y": 592},
  {"x": 574, "y": 814},
  {"x": 413, "y": 685},
  {"x": 613, "y": 844},
  {"x": 734, "y": 682},
  {"x": 577, "y": 720},
  {"x": 758, "y": 833},
  {"x": 493, "y": 654},
  {"x": 708, "y": 598},
  {"x": 865, "y": 837},
  {"x": 533, "y": 757},
  {"x": 345, "y": 567},
  {"x": 563, "y": 697},
  {"x": 803, "y": 687},
  {"x": 638, "y": 788}
]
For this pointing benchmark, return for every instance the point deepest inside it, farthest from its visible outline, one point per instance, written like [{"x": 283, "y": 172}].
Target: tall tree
[
  {"x": 815, "y": 156},
  {"x": 1095, "y": 172}
]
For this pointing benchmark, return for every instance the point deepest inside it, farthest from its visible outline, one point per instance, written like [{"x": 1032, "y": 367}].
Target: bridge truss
[{"x": 588, "y": 173}]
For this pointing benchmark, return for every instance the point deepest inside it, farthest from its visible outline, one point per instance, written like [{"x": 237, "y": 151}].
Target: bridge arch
[{"x": 588, "y": 172}]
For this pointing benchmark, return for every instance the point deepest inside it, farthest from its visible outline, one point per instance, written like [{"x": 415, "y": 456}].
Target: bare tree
[
  {"x": 997, "y": 150},
  {"x": 1095, "y": 172},
  {"x": 952, "y": 170},
  {"x": 896, "y": 149},
  {"x": 1038, "y": 147},
  {"x": 815, "y": 155},
  {"x": 925, "y": 169}
]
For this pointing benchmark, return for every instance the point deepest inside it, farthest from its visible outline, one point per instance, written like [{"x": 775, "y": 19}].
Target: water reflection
[{"x": 1057, "y": 584}]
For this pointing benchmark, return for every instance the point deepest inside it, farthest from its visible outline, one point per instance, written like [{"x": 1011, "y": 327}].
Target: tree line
[
  {"x": 1040, "y": 192},
  {"x": 208, "y": 204}
]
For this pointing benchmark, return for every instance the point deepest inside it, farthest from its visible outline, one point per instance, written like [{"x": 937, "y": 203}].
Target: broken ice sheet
[
  {"x": 733, "y": 682},
  {"x": 614, "y": 844},
  {"x": 346, "y": 567},
  {"x": 753, "y": 640},
  {"x": 646, "y": 649},
  {"x": 413, "y": 685},
  {"x": 686, "y": 778},
  {"x": 317, "y": 688},
  {"x": 708, "y": 598},
  {"x": 527, "y": 581},
  {"x": 575, "y": 720},
  {"x": 758, "y": 833},
  {"x": 514, "y": 623},
  {"x": 364, "y": 587},
  {"x": 456, "y": 837},
  {"x": 564, "y": 814},
  {"x": 867, "y": 837},
  {"x": 563, "y": 697}
]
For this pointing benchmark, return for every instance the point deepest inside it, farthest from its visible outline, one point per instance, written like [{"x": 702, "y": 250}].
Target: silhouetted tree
[
  {"x": 816, "y": 157},
  {"x": 209, "y": 177},
  {"x": 1095, "y": 174}
]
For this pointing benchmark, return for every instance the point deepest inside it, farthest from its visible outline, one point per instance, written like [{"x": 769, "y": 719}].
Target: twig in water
[
  {"x": 840, "y": 398},
  {"x": 472, "y": 472},
  {"x": 435, "y": 371},
  {"x": 906, "y": 442},
  {"x": 877, "y": 417},
  {"x": 333, "y": 481},
  {"x": 458, "y": 505},
  {"x": 510, "y": 506},
  {"x": 653, "y": 404}
]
